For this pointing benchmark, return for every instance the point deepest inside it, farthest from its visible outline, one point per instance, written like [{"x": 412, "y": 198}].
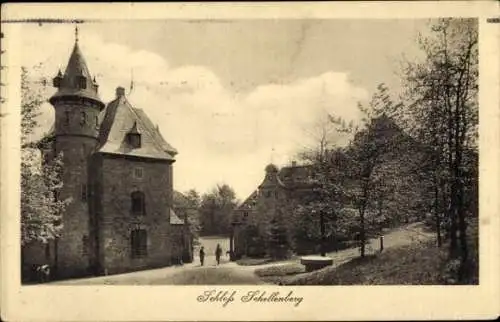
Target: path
[
  {"x": 232, "y": 273},
  {"x": 187, "y": 274}
]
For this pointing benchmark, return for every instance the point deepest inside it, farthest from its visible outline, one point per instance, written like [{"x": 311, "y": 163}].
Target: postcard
[{"x": 250, "y": 161}]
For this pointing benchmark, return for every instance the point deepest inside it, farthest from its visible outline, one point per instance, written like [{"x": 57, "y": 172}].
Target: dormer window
[
  {"x": 134, "y": 137},
  {"x": 82, "y": 82},
  {"x": 57, "y": 80},
  {"x": 134, "y": 140},
  {"x": 96, "y": 86}
]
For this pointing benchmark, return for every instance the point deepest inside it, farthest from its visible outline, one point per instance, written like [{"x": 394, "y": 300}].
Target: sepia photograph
[
  {"x": 348, "y": 157},
  {"x": 265, "y": 154}
]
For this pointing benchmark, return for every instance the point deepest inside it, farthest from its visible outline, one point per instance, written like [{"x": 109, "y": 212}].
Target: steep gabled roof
[
  {"x": 249, "y": 202},
  {"x": 291, "y": 177},
  {"x": 118, "y": 120},
  {"x": 156, "y": 131}
]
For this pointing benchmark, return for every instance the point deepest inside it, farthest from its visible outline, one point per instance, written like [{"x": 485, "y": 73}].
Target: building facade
[
  {"x": 118, "y": 174},
  {"x": 280, "y": 190}
]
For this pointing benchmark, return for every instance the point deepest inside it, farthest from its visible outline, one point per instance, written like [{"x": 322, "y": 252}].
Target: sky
[{"x": 231, "y": 96}]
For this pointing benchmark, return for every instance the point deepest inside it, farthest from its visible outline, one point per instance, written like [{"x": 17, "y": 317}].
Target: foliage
[
  {"x": 216, "y": 208},
  {"x": 41, "y": 211},
  {"x": 248, "y": 261},
  {"x": 278, "y": 244},
  {"x": 378, "y": 159},
  {"x": 442, "y": 112},
  {"x": 188, "y": 204}
]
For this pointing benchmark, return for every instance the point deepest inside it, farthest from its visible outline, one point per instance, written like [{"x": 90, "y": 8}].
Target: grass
[
  {"x": 417, "y": 264},
  {"x": 248, "y": 261},
  {"x": 281, "y": 270}
]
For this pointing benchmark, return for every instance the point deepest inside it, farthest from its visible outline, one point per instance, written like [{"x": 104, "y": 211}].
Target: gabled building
[
  {"x": 280, "y": 188},
  {"x": 118, "y": 173}
]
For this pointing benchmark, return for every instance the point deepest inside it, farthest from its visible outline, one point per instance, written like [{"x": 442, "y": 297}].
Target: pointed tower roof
[{"x": 76, "y": 80}]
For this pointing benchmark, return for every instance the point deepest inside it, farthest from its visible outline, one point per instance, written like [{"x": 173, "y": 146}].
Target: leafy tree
[
  {"x": 279, "y": 239},
  {"x": 41, "y": 210},
  {"x": 373, "y": 164},
  {"x": 442, "y": 111},
  {"x": 216, "y": 208},
  {"x": 189, "y": 204},
  {"x": 315, "y": 216}
]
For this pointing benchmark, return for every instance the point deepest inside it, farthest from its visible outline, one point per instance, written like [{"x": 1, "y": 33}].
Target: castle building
[
  {"x": 279, "y": 191},
  {"x": 118, "y": 173}
]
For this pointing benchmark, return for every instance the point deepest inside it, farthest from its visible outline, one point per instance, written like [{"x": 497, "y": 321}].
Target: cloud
[{"x": 222, "y": 136}]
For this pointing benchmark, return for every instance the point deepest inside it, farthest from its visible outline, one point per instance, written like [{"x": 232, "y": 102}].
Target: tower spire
[{"x": 76, "y": 80}]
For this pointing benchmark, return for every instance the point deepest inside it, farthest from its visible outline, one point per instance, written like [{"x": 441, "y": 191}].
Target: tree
[
  {"x": 316, "y": 214},
  {"x": 373, "y": 162},
  {"x": 216, "y": 208},
  {"x": 443, "y": 112},
  {"x": 367, "y": 175},
  {"x": 41, "y": 178},
  {"x": 189, "y": 204},
  {"x": 278, "y": 240},
  {"x": 367, "y": 153}
]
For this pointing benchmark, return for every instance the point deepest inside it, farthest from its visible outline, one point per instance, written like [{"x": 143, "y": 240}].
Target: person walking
[
  {"x": 218, "y": 253},
  {"x": 202, "y": 255}
]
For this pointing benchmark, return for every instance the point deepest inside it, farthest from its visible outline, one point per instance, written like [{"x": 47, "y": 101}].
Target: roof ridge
[
  {"x": 252, "y": 195},
  {"x": 158, "y": 145}
]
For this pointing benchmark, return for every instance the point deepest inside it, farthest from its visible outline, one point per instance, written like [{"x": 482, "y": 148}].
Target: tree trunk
[
  {"x": 362, "y": 236},
  {"x": 451, "y": 210},
  {"x": 322, "y": 228},
  {"x": 436, "y": 213},
  {"x": 362, "y": 233},
  {"x": 462, "y": 225}
]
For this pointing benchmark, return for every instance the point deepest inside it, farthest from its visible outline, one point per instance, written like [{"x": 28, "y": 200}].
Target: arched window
[{"x": 138, "y": 203}]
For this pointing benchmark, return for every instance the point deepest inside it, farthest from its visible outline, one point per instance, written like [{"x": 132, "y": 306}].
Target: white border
[{"x": 130, "y": 303}]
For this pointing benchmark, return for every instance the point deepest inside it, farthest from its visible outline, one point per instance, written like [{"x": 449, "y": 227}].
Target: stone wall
[
  {"x": 76, "y": 137},
  {"x": 116, "y": 220},
  {"x": 73, "y": 252}
]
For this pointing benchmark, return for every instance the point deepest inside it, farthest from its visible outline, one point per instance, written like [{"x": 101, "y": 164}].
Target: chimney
[
  {"x": 294, "y": 163},
  {"x": 120, "y": 91}
]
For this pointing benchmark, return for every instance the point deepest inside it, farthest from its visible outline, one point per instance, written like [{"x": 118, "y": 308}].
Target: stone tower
[{"x": 77, "y": 106}]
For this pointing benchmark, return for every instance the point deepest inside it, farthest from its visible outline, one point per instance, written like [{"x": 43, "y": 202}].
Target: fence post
[{"x": 381, "y": 243}]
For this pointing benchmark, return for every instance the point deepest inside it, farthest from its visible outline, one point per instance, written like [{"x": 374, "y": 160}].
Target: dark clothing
[
  {"x": 202, "y": 256},
  {"x": 218, "y": 253}
]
